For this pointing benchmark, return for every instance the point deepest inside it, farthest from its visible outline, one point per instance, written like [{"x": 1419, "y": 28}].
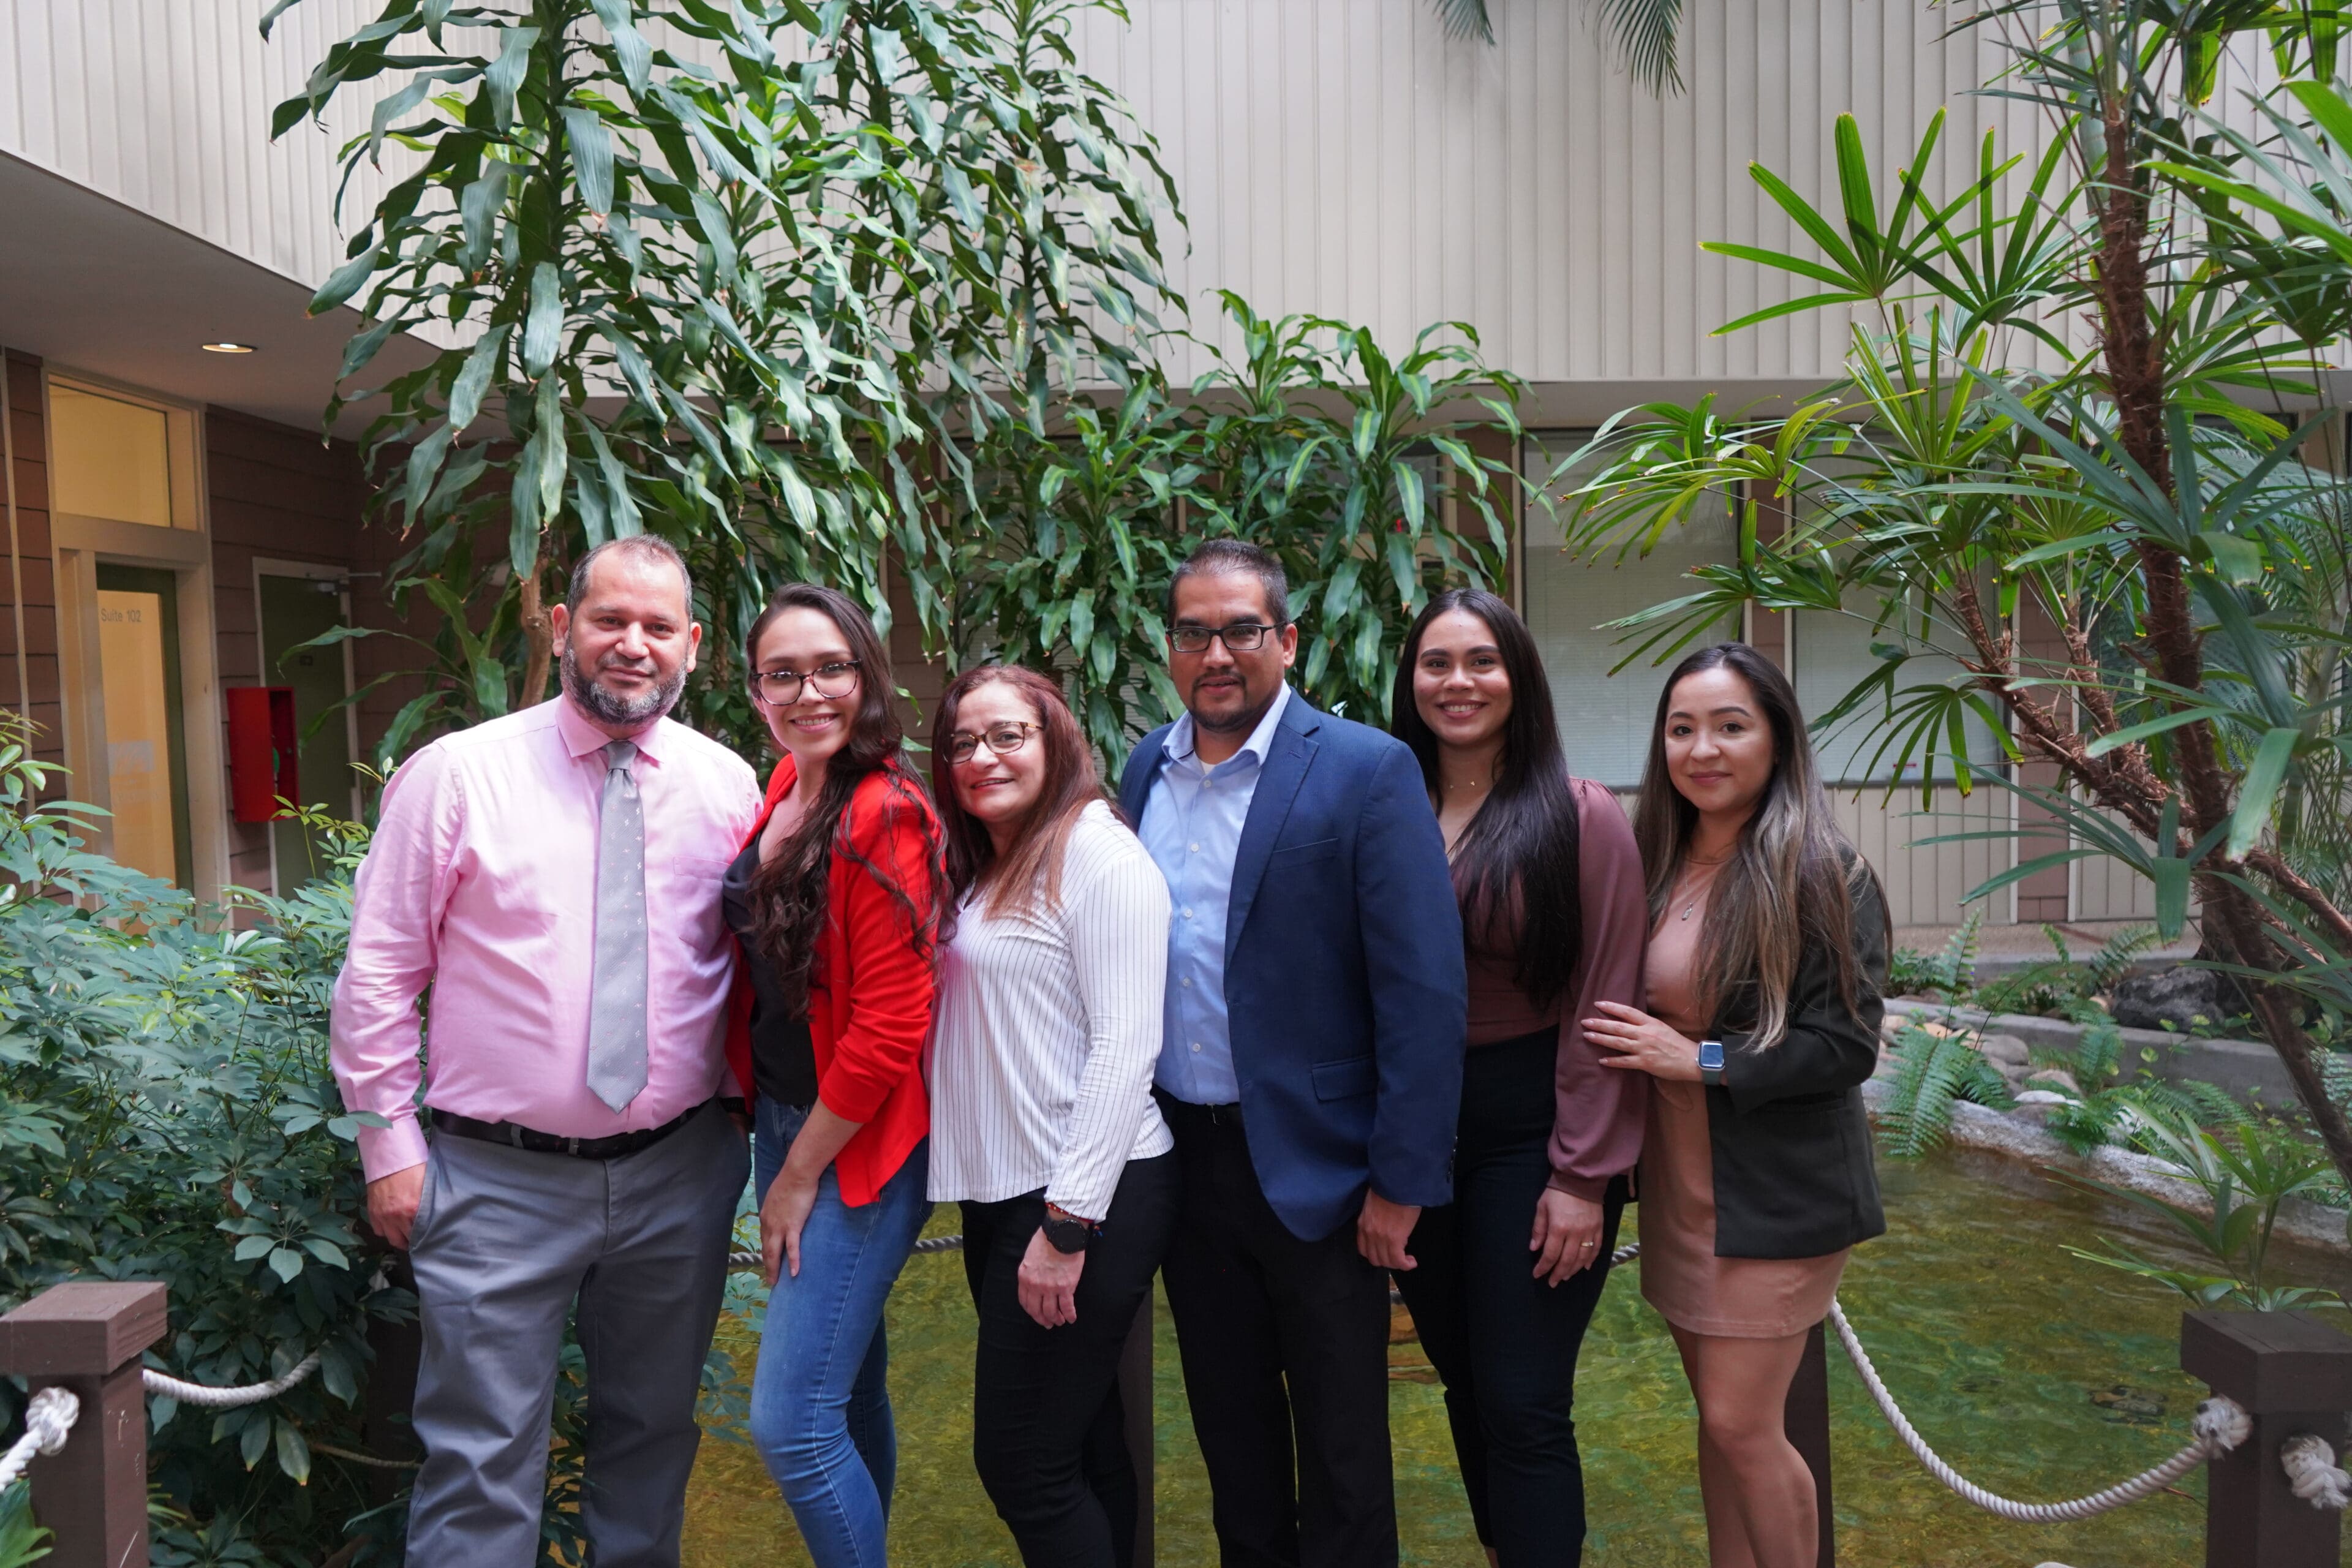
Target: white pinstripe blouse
[{"x": 1046, "y": 1029}]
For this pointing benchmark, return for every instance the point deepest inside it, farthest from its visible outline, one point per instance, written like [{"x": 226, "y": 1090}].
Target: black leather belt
[
  {"x": 531, "y": 1141},
  {"x": 1225, "y": 1118}
]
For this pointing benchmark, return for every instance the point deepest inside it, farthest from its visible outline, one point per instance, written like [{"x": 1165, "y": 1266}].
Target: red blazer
[{"x": 869, "y": 992}]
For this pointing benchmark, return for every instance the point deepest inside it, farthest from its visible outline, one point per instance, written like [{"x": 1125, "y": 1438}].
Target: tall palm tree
[{"x": 1645, "y": 31}]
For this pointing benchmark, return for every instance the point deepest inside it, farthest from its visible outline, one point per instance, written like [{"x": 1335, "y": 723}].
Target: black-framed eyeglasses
[
  {"x": 1241, "y": 636},
  {"x": 1003, "y": 740},
  {"x": 782, "y": 688}
]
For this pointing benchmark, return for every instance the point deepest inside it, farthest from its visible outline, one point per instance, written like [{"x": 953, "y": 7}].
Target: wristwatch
[
  {"x": 1711, "y": 1062},
  {"x": 1066, "y": 1232}
]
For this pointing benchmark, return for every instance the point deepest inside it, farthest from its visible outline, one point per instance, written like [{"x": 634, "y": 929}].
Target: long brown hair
[
  {"x": 790, "y": 890},
  {"x": 1790, "y": 882},
  {"x": 1031, "y": 871}
]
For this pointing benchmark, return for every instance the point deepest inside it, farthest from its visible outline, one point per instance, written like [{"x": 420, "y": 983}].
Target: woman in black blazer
[{"x": 1766, "y": 962}]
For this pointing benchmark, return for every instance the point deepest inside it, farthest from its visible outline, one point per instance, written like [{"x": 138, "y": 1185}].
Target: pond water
[{"x": 2037, "y": 1375}]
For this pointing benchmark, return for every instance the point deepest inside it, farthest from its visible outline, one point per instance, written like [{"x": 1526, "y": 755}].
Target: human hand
[
  {"x": 1643, "y": 1044},
  {"x": 783, "y": 1213},
  {"x": 1047, "y": 1282},
  {"x": 1383, "y": 1228},
  {"x": 1566, "y": 1237},
  {"x": 392, "y": 1205}
]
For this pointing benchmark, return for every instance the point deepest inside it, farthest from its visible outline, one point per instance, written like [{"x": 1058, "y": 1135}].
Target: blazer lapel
[
  {"x": 1142, "y": 767},
  {"x": 1293, "y": 751}
]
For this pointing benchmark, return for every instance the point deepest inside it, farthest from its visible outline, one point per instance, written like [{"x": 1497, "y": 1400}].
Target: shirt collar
[
  {"x": 1260, "y": 739},
  {"x": 580, "y": 737}
]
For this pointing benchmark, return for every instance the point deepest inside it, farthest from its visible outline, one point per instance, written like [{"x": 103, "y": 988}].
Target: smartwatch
[
  {"x": 1066, "y": 1232},
  {"x": 1711, "y": 1062}
]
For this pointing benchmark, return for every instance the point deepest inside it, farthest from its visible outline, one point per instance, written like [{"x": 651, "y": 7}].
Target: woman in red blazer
[{"x": 834, "y": 901}]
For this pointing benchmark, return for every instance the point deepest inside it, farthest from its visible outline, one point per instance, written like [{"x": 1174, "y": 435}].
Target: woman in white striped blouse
[{"x": 1046, "y": 1031}]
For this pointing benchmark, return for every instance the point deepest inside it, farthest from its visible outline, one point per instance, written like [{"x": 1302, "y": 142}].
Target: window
[
  {"x": 114, "y": 459},
  {"x": 1829, "y": 656},
  {"x": 1605, "y": 719}
]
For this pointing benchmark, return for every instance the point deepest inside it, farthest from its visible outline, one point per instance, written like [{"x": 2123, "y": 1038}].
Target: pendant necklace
[{"x": 1696, "y": 892}]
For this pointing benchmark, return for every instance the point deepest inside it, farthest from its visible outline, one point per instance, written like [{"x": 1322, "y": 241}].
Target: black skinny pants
[
  {"x": 1048, "y": 1429},
  {"x": 1505, "y": 1343}
]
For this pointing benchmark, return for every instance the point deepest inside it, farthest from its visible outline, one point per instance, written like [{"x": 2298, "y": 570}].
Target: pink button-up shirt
[{"x": 481, "y": 883}]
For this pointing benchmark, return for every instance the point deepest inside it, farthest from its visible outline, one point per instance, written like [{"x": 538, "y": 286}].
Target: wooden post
[
  {"x": 1136, "y": 1406},
  {"x": 1806, "y": 1419},
  {"x": 2292, "y": 1371},
  {"x": 89, "y": 1338}
]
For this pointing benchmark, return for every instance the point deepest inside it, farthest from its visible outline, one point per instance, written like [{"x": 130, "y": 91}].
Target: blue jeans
[{"x": 820, "y": 1397}]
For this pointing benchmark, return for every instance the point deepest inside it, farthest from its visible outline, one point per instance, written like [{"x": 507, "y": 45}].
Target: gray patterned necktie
[{"x": 617, "y": 999}]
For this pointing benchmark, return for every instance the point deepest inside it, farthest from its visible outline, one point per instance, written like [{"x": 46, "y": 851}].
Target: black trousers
[
  {"x": 1505, "y": 1343},
  {"x": 1048, "y": 1429},
  {"x": 1284, "y": 1346}
]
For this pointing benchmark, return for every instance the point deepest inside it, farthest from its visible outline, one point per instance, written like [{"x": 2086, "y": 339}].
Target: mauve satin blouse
[{"x": 1599, "y": 1112}]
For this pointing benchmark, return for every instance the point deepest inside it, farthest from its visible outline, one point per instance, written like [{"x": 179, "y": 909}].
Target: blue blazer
[{"x": 1344, "y": 976}]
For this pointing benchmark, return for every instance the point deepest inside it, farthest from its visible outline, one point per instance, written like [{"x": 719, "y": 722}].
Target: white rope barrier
[
  {"x": 2313, "y": 1473},
  {"x": 2220, "y": 1426},
  {"x": 49, "y": 1414},
  {"x": 205, "y": 1398}
]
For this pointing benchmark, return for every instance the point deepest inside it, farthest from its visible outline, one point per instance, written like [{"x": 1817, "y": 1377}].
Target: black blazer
[{"x": 1793, "y": 1176}]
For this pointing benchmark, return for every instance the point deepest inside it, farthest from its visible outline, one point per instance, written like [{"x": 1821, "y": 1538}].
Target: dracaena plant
[
  {"x": 1375, "y": 479},
  {"x": 720, "y": 272},
  {"x": 2066, "y": 479}
]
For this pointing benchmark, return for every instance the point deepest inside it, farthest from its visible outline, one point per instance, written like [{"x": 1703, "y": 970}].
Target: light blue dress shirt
[{"x": 1192, "y": 825}]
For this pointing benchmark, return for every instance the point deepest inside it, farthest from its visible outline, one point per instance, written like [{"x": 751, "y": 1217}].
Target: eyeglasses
[
  {"x": 782, "y": 688},
  {"x": 1001, "y": 739},
  {"x": 1241, "y": 636}
]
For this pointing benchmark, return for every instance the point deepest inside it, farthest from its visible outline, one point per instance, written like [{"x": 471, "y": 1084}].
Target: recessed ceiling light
[{"x": 229, "y": 348}]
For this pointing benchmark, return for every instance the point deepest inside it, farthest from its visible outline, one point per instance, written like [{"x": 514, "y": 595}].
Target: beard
[{"x": 616, "y": 709}]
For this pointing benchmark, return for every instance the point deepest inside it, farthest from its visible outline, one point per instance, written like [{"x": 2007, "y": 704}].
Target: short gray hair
[
  {"x": 637, "y": 546},
  {"x": 1219, "y": 556}
]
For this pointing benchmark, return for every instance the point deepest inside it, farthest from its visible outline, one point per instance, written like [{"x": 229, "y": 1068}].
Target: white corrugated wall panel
[
  {"x": 1344, "y": 157},
  {"x": 164, "y": 105}
]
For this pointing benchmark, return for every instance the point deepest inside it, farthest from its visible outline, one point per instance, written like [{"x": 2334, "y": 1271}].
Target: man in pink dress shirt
[{"x": 554, "y": 876}]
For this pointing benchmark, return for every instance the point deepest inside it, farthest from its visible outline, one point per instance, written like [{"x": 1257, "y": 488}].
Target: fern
[
  {"x": 1934, "y": 1071},
  {"x": 2063, "y": 984},
  {"x": 1952, "y": 972}
]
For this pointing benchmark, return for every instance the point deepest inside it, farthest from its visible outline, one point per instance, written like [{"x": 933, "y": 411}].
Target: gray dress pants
[{"x": 505, "y": 1241}]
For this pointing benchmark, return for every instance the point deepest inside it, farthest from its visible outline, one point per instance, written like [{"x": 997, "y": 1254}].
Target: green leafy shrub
[
  {"x": 21, "y": 1540},
  {"x": 2064, "y": 986},
  {"x": 1950, "y": 974},
  {"x": 2105, "y": 1108},
  {"x": 166, "y": 1112},
  {"x": 2247, "y": 1173},
  {"x": 1934, "y": 1068}
]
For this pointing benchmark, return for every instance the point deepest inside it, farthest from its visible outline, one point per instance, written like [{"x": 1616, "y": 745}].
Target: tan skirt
[{"x": 1732, "y": 1297}]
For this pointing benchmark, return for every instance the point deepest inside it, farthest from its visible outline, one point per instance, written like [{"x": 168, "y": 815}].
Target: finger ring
[{"x": 1588, "y": 1247}]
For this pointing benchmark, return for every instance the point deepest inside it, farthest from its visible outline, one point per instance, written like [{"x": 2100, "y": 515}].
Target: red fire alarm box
[{"x": 261, "y": 743}]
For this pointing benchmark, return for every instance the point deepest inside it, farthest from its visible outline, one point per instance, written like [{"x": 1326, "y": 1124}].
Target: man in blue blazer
[{"x": 1311, "y": 1066}]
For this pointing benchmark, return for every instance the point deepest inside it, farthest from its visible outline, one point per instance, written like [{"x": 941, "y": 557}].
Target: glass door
[
  {"x": 293, "y": 611},
  {"x": 146, "y": 747}
]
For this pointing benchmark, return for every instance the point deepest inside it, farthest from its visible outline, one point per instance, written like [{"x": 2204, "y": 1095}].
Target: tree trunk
[
  {"x": 2136, "y": 374},
  {"x": 538, "y": 636}
]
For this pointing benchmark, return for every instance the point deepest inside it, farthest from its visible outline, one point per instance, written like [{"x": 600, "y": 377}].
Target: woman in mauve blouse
[
  {"x": 834, "y": 899},
  {"x": 1554, "y": 913}
]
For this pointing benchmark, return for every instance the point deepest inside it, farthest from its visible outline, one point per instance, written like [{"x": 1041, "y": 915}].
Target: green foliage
[
  {"x": 2064, "y": 985},
  {"x": 736, "y": 275},
  {"x": 1935, "y": 1067},
  {"x": 1312, "y": 442},
  {"x": 2246, "y": 1173},
  {"x": 21, "y": 1540},
  {"x": 1950, "y": 974},
  {"x": 166, "y": 1112},
  {"x": 2115, "y": 554}
]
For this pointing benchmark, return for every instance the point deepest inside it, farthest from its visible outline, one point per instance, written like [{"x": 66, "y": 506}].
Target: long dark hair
[
  {"x": 1516, "y": 863},
  {"x": 1032, "y": 873},
  {"x": 788, "y": 892},
  {"x": 1788, "y": 883}
]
